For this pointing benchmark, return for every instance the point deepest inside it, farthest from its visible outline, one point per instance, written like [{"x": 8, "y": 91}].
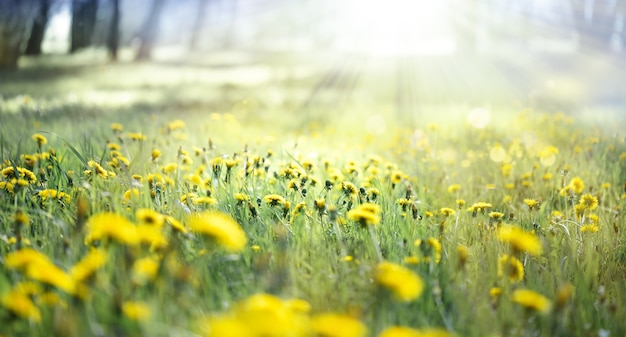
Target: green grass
[{"x": 320, "y": 256}]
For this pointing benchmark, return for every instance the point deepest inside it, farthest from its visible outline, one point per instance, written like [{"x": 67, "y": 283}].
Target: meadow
[{"x": 208, "y": 220}]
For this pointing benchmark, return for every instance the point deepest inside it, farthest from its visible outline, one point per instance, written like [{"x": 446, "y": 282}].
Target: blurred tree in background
[{"x": 16, "y": 18}]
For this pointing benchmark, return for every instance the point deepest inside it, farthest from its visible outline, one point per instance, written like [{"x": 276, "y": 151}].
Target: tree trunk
[
  {"x": 113, "y": 39},
  {"x": 38, "y": 30},
  {"x": 83, "y": 23},
  {"x": 197, "y": 27},
  {"x": 150, "y": 31},
  {"x": 16, "y": 17}
]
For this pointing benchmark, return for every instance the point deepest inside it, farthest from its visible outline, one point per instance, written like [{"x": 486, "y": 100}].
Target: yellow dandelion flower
[
  {"x": 511, "y": 267},
  {"x": 589, "y": 202},
  {"x": 175, "y": 224},
  {"x": 221, "y": 227},
  {"x": 40, "y": 139},
  {"x": 21, "y": 304},
  {"x": 563, "y": 293},
  {"x": 21, "y": 218},
  {"x": 400, "y": 331},
  {"x": 430, "y": 248},
  {"x": 496, "y": 215},
  {"x": 117, "y": 127},
  {"x": 93, "y": 261},
  {"x": 447, "y": 211},
  {"x": 273, "y": 200},
  {"x": 136, "y": 136},
  {"x": 520, "y": 240},
  {"x": 460, "y": 203},
  {"x": 176, "y": 125},
  {"x": 145, "y": 269},
  {"x": 577, "y": 185},
  {"x": 589, "y": 228},
  {"x": 480, "y": 207},
  {"x": 149, "y": 217},
  {"x": 402, "y": 282},
  {"x": 136, "y": 311},
  {"x": 463, "y": 253},
  {"x": 108, "y": 225},
  {"x": 454, "y": 188},
  {"x": 531, "y": 203},
  {"x": 241, "y": 197},
  {"x": 257, "y": 310},
  {"x": 531, "y": 300},
  {"x": 365, "y": 214},
  {"x": 337, "y": 325},
  {"x": 169, "y": 168},
  {"x": 155, "y": 154}
]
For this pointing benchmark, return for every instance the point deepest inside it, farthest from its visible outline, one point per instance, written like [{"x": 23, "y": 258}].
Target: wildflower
[
  {"x": 531, "y": 203},
  {"x": 365, "y": 214},
  {"x": 175, "y": 224},
  {"x": 175, "y": 125},
  {"x": 337, "y": 325},
  {"x": 257, "y": 310},
  {"x": 460, "y": 203},
  {"x": 520, "y": 240},
  {"x": 204, "y": 201},
  {"x": 99, "y": 169},
  {"x": 589, "y": 201},
  {"x": 299, "y": 209},
  {"x": 404, "y": 202},
  {"x": 402, "y": 282},
  {"x": 22, "y": 174},
  {"x": 463, "y": 253},
  {"x": 495, "y": 293},
  {"x": 21, "y": 218},
  {"x": 136, "y": 136},
  {"x": 479, "y": 207},
  {"x": 136, "y": 311},
  {"x": 348, "y": 189},
  {"x": 169, "y": 168},
  {"x": 117, "y": 127},
  {"x": 563, "y": 294},
  {"x": 446, "y": 211},
  {"x": 145, "y": 269},
  {"x": 40, "y": 139},
  {"x": 589, "y": 228},
  {"x": 149, "y": 234},
  {"x": 430, "y": 248},
  {"x": 21, "y": 304},
  {"x": 414, "y": 260},
  {"x": 93, "y": 261},
  {"x": 273, "y": 200},
  {"x": 496, "y": 216},
  {"x": 454, "y": 188},
  {"x": 400, "y": 331},
  {"x": 132, "y": 193},
  {"x": 241, "y": 198},
  {"x": 576, "y": 185},
  {"x": 221, "y": 227},
  {"x": 372, "y": 194},
  {"x": 108, "y": 225},
  {"x": 512, "y": 267},
  {"x": 531, "y": 300},
  {"x": 37, "y": 266}
]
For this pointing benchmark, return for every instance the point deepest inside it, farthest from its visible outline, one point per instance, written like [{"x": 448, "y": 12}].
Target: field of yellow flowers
[{"x": 208, "y": 225}]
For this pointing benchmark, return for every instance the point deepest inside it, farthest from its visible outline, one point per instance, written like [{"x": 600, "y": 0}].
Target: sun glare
[{"x": 395, "y": 27}]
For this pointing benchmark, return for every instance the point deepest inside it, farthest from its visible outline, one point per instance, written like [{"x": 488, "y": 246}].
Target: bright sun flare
[{"x": 395, "y": 27}]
